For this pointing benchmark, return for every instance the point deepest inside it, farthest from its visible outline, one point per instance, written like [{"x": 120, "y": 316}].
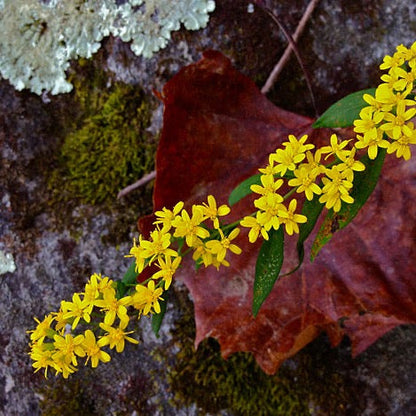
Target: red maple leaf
[{"x": 218, "y": 130}]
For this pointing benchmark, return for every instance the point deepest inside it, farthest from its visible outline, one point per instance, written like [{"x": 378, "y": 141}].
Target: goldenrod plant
[{"x": 332, "y": 176}]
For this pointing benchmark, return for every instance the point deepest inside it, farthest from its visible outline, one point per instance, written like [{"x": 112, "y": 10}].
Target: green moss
[
  {"x": 236, "y": 384},
  {"x": 62, "y": 397},
  {"x": 110, "y": 149}
]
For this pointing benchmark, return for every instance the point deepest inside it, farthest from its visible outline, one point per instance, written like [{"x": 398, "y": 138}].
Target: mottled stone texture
[{"x": 342, "y": 46}]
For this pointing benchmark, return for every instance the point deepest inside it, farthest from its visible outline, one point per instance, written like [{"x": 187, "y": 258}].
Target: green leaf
[
  {"x": 243, "y": 189},
  {"x": 121, "y": 289},
  {"x": 157, "y": 318},
  {"x": 364, "y": 184},
  {"x": 269, "y": 263},
  {"x": 345, "y": 111},
  {"x": 312, "y": 210},
  {"x": 130, "y": 277}
]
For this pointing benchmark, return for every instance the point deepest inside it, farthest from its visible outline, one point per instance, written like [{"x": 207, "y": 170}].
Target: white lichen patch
[
  {"x": 40, "y": 38},
  {"x": 6, "y": 263},
  {"x": 149, "y": 24}
]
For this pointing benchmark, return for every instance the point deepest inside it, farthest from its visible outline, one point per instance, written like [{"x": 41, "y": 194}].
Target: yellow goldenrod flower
[
  {"x": 166, "y": 216},
  {"x": 333, "y": 200},
  {"x": 291, "y": 220},
  {"x": 376, "y": 105},
  {"x": 395, "y": 122},
  {"x": 392, "y": 61},
  {"x": 403, "y": 52},
  {"x": 60, "y": 322},
  {"x": 405, "y": 79},
  {"x": 372, "y": 144},
  {"x": 336, "y": 181},
  {"x": 137, "y": 252},
  {"x": 313, "y": 163},
  {"x": 41, "y": 355},
  {"x": 210, "y": 211},
  {"x": 77, "y": 309},
  {"x": 70, "y": 347},
  {"x": 216, "y": 263},
  {"x": 270, "y": 168},
  {"x": 388, "y": 96},
  {"x": 92, "y": 288},
  {"x": 305, "y": 182},
  {"x": 202, "y": 253},
  {"x": 220, "y": 247},
  {"x": 189, "y": 227},
  {"x": 350, "y": 163},
  {"x": 93, "y": 350},
  {"x": 285, "y": 160},
  {"x": 113, "y": 307},
  {"x": 336, "y": 189},
  {"x": 402, "y": 146},
  {"x": 167, "y": 270},
  {"x": 268, "y": 185},
  {"x": 269, "y": 206},
  {"x": 335, "y": 148},
  {"x": 105, "y": 283},
  {"x": 61, "y": 365},
  {"x": 158, "y": 246},
  {"x": 116, "y": 337},
  {"x": 43, "y": 329},
  {"x": 368, "y": 123},
  {"x": 298, "y": 146},
  {"x": 293, "y": 152},
  {"x": 390, "y": 79},
  {"x": 147, "y": 297},
  {"x": 255, "y": 228}
]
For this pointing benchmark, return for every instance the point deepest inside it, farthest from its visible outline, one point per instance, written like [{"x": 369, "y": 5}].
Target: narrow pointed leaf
[
  {"x": 312, "y": 210},
  {"x": 129, "y": 279},
  {"x": 268, "y": 265},
  {"x": 364, "y": 184},
  {"x": 243, "y": 189},
  {"x": 345, "y": 111},
  {"x": 157, "y": 318}
]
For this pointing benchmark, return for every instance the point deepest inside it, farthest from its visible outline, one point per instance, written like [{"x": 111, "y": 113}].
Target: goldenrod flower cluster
[
  {"x": 326, "y": 173},
  {"x": 190, "y": 231},
  {"x": 58, "y": 340},
  {"x": 306, "y": 173},
  {"x": 386, "y": 121},
  {"x": 82, "y": 327}
]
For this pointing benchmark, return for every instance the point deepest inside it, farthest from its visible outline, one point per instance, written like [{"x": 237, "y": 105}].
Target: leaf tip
[{"x": 255, "y": 310}]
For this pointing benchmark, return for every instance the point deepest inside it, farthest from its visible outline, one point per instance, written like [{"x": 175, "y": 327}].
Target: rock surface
[{"x": 342, "y": 46}]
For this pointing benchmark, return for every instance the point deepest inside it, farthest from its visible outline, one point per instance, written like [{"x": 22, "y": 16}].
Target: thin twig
[
  {"x": 291, "y": 47},
  {"x": 145, "y": 179}
]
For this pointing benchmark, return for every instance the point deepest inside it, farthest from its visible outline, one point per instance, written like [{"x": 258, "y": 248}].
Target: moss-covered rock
[
  {"x": 236, "y": 384},
  {"x": 65, "y": 398},
  {"x": 109, "y": 150}
]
